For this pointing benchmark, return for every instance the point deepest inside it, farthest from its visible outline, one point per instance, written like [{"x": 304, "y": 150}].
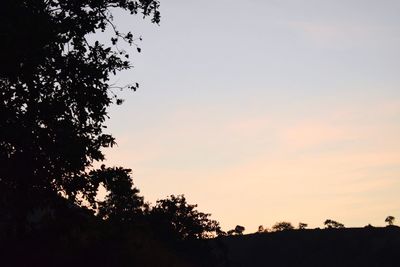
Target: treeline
[
  {"x": 170, "y": 233},
  {"x": 286, "y": 226}
]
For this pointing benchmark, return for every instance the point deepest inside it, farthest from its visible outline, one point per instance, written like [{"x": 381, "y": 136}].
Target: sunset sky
[{"x": 266, "y": 110}]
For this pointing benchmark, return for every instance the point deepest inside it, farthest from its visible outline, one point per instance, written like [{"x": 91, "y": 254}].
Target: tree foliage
[
  {"x": 282, "y": 226},
  {"x": 261, "y": 229},
  {"x": 333, "y": 224},
  {"x": 175, "y": 215},
  {"x": 122, "y": 202},
  {"x": 302, "y": 225},
  {"x": 390, "y": 220},
  {"x": 237, "y": 231},
  {"x": 55, "y": 90}
]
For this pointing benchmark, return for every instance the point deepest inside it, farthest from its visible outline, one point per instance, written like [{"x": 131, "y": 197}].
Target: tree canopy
[
  {"x": 302, "y": 225},
  {"x": 175, "y": 215},
  {"x": 282, "y": 226},
  {"x": 333, "y": 224},
  {"x": 55, "y": 90},
  {"x": 122, "y": 202},
  {"x": 390, "y": 220}
]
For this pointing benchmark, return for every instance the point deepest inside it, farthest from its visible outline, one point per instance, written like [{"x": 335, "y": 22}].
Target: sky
[{"x": 262, "y": 111}]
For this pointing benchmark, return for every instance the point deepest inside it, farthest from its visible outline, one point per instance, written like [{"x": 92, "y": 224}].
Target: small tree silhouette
[
  {"x": 122, "y": 202},
  {"x": 175, "y": 215},
  {"x": 302, "y": 225},
  {"x": 333, "y": 224},
  {"x": 237, "y": 231},
  {"x": 282, "y": 226},
  {"x": 390, "y": 220}
]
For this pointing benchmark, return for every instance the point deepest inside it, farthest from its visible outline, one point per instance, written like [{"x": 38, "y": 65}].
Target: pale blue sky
[{"x": 261, "y": 111}]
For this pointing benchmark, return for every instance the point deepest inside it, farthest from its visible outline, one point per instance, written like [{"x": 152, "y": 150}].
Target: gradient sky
[{"x": 266, "y": 110}]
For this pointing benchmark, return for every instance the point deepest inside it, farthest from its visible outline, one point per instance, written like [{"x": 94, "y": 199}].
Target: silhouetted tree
[
  {"x": 390, "y": 220},
  {"x": 260, "y": 229},
  {"x": 333, "y": 224},
  {"x": 175, "y": 215},
  {"x": 54, "y": 94},
  {"x": 302, "y": 225},
  {"x": 237, "y": 231},
  {"x": 282, "y": 226},
  {"x": 122, "y": 202}
]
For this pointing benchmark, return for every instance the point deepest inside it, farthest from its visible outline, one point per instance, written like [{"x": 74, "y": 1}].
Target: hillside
[{"x": 368, "y": 246}]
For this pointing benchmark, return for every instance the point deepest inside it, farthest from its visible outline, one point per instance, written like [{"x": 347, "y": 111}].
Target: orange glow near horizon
[
  {"x": 312, "y": 170},
  {"x": 267, "y": 111}
]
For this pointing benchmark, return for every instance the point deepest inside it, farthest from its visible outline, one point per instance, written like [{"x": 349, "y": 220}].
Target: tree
[
  {"x": 390, "y": 220},
  {"x": 302, "y": 225},
  {"x": 333, "y": 224},
  {"x": 174, "y": 215},
  {"x": 55, "y": 91},
  {"x": 122, "y": 202},
  {"x": 282, "y": 226},
  {"x": 239, "y": 229}
]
